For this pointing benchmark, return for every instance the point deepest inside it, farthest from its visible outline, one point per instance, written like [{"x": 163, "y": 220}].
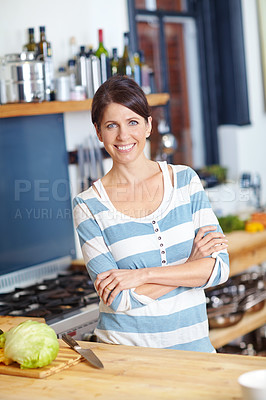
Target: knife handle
[{"x": 70, "y": 341}]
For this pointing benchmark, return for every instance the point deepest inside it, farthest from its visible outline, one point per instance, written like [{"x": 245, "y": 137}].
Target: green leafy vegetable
[
  {"x": 231, "y": 223},
  {"x": 32, "y": 344},
  {"x": 2, "y": 339}
]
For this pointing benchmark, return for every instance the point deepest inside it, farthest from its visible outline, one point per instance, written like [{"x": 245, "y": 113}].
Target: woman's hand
[
  {"x": 206, "y": 244},
  {"x": 108, "y": 284}
]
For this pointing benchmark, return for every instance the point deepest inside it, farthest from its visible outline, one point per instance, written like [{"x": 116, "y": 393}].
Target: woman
[{"x": 150, "y": 240}]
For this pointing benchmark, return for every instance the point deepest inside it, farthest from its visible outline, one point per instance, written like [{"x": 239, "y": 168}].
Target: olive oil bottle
[
  {"x": 31, "y": 45},
  {"x": 125, "y": 65}
]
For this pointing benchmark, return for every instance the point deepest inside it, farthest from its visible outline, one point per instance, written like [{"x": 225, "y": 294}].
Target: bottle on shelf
[
  {"x": 31, "y": 45},
  {"x": 90, "y": 52},
  {"x": 71, "y": 67},
  {"x": 114, "y": 62},
  {"x": 73, "y": 49},
  {"x": 82, "y": 69},
  {"x": 145, "y": 74},
  {"x": 93, "y": 68},
  {"x": 43, "y": 44},
  {"x": 137, "y": 68},
  {"x": 125, "y": 64},
  {"x": 45, "y": 54},
  {"x": 103, "y": 56}
]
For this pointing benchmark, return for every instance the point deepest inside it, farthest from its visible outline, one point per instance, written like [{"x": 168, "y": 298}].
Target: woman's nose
[{"x": 122, "y": 133}]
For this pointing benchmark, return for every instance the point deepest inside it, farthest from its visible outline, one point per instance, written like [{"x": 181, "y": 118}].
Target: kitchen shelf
[
  {"x": 56, "y": 107},
  {"x": 251, "y": 321}
]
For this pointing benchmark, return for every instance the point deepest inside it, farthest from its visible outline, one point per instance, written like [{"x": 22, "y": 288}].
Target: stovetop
[{"x": 51, "y": 299}]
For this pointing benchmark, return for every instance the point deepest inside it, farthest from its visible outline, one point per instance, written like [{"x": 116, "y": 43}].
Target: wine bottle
[
  {"x": 114, "y": 62},
  {"x": 103, "y": 55},
  {"x": 31, "y": 45},
  {"x": 45, "y": 54},
  {"x": 125, "y": 66},
  {"x": 43, "y": 44},
  {"x": 137, "y": 68}
]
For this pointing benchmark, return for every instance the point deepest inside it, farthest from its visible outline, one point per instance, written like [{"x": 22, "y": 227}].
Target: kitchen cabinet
[
  {"x": 133, "y": 373},
  {"x": 245, "y": 250},
  {"x": 57, "y": 107}
]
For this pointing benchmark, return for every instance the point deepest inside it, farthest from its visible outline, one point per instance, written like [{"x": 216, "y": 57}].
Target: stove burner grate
[{"x": 51, "y": 298}]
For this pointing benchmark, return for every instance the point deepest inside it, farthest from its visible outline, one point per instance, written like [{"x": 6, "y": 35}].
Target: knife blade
[{"x": 86, "y": 353}]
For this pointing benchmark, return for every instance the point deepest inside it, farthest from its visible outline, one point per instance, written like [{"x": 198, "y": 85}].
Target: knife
[{"x": 86, "y": 353}]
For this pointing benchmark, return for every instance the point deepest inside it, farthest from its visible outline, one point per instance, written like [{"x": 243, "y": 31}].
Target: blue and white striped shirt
[{"x": 111, "y": 240}]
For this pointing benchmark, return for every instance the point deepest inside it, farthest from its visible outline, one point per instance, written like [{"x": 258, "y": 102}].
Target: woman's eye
[
  {"x": 133, "y": 122},
  {"x": 110, "y": 126}
]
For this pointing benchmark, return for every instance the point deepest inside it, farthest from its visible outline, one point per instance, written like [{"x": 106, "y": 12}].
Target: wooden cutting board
[{"x": 66, "y": 357}]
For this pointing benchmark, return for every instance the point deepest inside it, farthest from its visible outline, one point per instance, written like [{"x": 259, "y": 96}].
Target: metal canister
[
  {"x": 24, "y": 78},
  {"x": 62, "y": 88}
]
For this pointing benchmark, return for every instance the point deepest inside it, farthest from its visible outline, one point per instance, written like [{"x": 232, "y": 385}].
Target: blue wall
[{"x": 35, "y": 206}]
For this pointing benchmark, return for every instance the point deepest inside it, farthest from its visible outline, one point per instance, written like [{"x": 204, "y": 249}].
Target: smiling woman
[
  {"x": 150, "y": 240},
  {"x": 123, "y": 133}
]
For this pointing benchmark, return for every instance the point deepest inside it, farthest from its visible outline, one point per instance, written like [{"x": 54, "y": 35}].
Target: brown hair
[{"x": 122, "y": 90}]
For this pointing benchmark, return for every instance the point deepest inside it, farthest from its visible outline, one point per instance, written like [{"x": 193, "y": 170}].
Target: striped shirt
[{"x": 112, "y": 240}]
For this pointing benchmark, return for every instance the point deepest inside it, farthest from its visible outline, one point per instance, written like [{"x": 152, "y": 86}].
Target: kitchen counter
[
  {"x": 139, "y": 373},
  {"x": 246, "y": 249}
]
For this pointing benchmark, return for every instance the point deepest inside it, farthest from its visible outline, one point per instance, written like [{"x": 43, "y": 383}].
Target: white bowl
[{"x": 253, "y": 385}]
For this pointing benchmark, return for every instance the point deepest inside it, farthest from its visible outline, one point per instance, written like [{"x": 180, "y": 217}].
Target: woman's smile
[{"x": 125, "y": 148}]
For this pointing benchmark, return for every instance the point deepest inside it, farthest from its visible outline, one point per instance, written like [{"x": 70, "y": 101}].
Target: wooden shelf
[
  {"x": 57, "y": 107},
  {"x": 250, "y": 322}
]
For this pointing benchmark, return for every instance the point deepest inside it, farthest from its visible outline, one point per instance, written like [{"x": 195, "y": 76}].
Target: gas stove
[{"x": 68, "y": 302}]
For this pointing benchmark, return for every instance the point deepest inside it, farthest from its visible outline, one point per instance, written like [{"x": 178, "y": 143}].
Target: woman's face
[{"x": 123, "y": 133}]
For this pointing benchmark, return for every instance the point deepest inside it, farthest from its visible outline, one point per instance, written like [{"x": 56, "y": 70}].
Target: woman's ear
[
  {"x": 149, "y": 127},
  {"x": 98, "y": 132}
]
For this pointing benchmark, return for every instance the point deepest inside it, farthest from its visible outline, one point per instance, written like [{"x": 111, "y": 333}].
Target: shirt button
[
  {"x": 163, "y": 252},
  {"x": 156, "y": 230},
  {"x": 161, "y": 244},
  {"x": 154, "y": 222},
  {"x": 163, "y": 261},
  {"x": 159, "y": 238}
]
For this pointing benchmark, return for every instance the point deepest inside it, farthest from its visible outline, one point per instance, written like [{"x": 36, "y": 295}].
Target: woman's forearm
[
  {"x": 164, "y": 279},
  {"x": 154, "y": 281},
  {"x": 153, "y": 290}
]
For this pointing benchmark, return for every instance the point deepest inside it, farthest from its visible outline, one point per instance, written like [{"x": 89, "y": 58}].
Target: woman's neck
[{"x": 131, "y": 173}]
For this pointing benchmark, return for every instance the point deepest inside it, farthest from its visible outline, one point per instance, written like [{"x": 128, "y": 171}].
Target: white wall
[
  {"x": 243, "y": 149},
  {"x": 62, "y": 19}
]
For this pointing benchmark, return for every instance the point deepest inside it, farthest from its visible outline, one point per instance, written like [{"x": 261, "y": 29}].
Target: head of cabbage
[{"x": 32, "y": 344}]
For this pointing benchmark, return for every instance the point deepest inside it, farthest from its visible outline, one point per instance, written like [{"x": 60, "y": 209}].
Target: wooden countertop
[
  {"x": 246, "y": 249},
  {"x": 135, "y": 373},
  {"x": 139, "y": 373}
]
